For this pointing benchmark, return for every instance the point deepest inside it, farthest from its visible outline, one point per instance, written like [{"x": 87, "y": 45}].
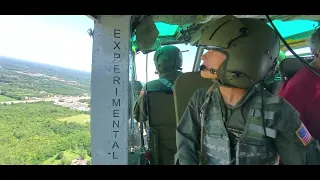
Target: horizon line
[{"x": 43, "y": 63}]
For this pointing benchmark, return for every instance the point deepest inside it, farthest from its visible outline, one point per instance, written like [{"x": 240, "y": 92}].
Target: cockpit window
[{"x": 301, "y": 52}]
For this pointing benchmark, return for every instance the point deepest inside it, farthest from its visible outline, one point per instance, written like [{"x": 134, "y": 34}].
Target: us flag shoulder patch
[{"x": 304, "y": 135}]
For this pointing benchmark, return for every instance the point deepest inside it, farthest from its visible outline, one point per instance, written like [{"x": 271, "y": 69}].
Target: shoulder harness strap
[
  {"x": 167, "y": 83},
  {"x": 255, "y": 127}
]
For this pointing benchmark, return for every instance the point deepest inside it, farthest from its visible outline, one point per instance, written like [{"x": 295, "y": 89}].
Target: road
[{"x": 55, "y": 99}]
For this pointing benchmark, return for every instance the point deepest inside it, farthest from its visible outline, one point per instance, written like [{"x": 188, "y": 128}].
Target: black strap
[{"x": 167, "y": 83}]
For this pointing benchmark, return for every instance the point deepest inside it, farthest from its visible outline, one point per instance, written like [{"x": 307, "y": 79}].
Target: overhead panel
[{"x": 288, "y": 29}]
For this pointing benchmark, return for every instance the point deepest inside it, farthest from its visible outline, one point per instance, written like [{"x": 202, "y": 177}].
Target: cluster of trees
[
  {"x": 85, "y": 101},
  {"x": 32, "y": 133},
  {"x": 34, "y": 86},
  {"x": 13, "y": 96}
]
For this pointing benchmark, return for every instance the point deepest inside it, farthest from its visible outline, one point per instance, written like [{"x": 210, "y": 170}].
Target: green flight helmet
[
  {"x": 251, "y": 46},
  {"x": 168, "y": 59}
]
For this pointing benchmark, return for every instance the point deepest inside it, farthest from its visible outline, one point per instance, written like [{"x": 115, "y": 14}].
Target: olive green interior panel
[
  {"x": 185, "y": 86},
  {"x": 289, "y": 67},
  {"x": 162, "y": 124}
]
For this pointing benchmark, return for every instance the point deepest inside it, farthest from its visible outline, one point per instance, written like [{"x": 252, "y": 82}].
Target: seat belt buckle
[{"x": 255, "y": 113}]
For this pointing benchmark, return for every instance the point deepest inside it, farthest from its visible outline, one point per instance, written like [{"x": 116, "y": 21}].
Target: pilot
[
  {"x": 239, "y": 122},
  {"x": 168, "y": 62},
  {"x": 302, "y": 91}
]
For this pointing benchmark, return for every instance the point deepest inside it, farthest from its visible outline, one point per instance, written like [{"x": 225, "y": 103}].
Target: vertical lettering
[
  {"x": 114, "y": 103},
  {"x": 116, "y": 124},
  {"x": 116, "y": 78},
  {"x": 116, "y": 56},
  {"x": 115, "y": 134},
  {"x": 116, "y": 113},
  {"x": 113, "y": 156},
  {"x": 117, "y": 102},
  {"x": 115, "y": 144},
  {"x": 116, "y": 45},
  {"x": 116, "y": 33},
  {"x": 116, "y": 69}
]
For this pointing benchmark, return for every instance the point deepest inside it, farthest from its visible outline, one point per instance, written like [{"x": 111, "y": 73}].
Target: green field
[
  {"x": 81, "y": 119},
  {"x": 66, "y": 157},
  {"x": 30, "y": 134},
  {"x": 5, "y": 98},
  {"x": 42, "y": 133}
]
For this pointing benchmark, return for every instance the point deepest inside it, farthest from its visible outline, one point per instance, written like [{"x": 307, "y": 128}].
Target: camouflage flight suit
[
  {"x": 235, "y": 135},
  {"x": 155, "y": 85}
]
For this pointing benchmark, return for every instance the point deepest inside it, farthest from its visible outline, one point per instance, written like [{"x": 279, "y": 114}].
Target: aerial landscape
[{"x": 44, "y": 114}]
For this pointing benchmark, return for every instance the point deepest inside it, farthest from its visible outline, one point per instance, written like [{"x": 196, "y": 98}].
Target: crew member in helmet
[
  {"x": 168, "y": 62},
  {"x": 236, "y": 121}
]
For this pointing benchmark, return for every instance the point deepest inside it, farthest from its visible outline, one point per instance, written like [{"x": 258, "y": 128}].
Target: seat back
[
  {"x": 289, "y": 67},
  {"x": 162, "y": 127},
  {"x": 185, "y": 86}
]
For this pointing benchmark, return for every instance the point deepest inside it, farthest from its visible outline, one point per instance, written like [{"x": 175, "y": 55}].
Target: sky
[
  {"x": 62, "y": 40},
  {"x": 50, "y": 39}
]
